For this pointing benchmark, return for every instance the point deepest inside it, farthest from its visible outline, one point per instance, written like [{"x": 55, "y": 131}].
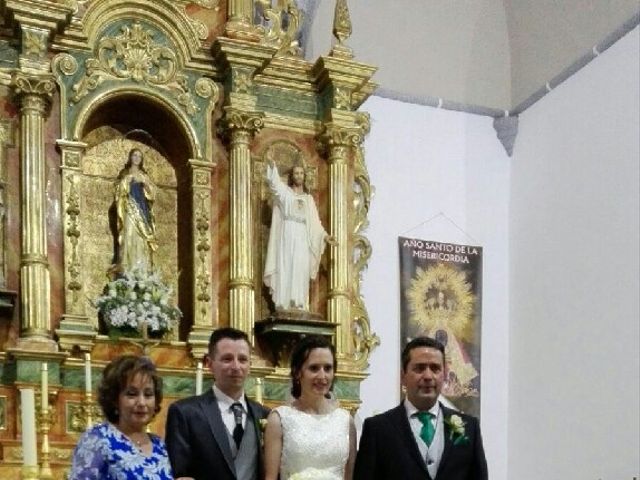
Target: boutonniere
[
  {"x": 457, "y": 433},
  {"x": 262, "y": 425}
]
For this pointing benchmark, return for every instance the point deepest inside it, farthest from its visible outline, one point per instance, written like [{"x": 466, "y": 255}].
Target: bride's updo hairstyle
[{"x": 300, "y": 354}]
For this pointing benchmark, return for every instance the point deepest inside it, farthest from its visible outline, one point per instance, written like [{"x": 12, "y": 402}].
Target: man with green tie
[{"x": 421, "y": 438}]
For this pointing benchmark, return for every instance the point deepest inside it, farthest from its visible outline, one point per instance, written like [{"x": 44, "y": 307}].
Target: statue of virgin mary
[{"x": 135, "y": 225}]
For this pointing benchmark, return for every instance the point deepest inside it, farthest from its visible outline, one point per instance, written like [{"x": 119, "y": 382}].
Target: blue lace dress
[{"x": 105, "y": 453}]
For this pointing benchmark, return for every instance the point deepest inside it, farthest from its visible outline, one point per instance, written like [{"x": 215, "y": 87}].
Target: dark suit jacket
[
  {"x": 388, "y": 450},
  {"x": 197, "y": 439}
]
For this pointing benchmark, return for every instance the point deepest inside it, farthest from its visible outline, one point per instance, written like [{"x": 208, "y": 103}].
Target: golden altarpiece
[{"x": 210, "y": 91}]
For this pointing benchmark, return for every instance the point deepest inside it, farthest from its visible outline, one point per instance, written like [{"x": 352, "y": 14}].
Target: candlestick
[
  {"x": 87, "y": 373},
  {"x": 45, "y": 424},
  {"x": 29, "y": 473},
  {"x": 259, "y": 390},
  {"x": 44, "y": 390},
  {"x": 29, "y": 448},
  {"x": 87, "y": 404},
  {"x": 199, "y": 378}
]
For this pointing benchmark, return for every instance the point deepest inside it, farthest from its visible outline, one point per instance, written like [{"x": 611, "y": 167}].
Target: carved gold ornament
[
  {"x": 203, "y": 245},
  {"x": 242, "y": 81},
  {"x": 285, "y": 20},
  {"x": 77, "y": 414},
  {"x": 34, "y": 43},
  {"x": 207, "y": 3},
  {"x": 38, "y": 85},
  {"x": 343, "y": 99},
  {"x": 134, "y": 55},
  {"x": 364, "y": 340},
  {"x": 342, "y": 21},
  {"x": 73, "y": 232}
]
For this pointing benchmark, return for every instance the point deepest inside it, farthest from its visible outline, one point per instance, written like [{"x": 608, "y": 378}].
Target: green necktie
[{"x": 428, "y": 430}]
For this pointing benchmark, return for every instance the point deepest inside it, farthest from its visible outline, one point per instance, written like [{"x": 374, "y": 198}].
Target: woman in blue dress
[{"x": 120, "y": 448}]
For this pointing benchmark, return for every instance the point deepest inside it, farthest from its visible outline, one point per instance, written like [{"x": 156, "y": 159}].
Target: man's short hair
[
  {"x": 225, "y": 332},
  {"x": 420, "y": 342}
]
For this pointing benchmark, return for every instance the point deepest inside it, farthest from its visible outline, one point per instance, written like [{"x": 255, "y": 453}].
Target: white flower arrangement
[{"x": 134, "y": 299}]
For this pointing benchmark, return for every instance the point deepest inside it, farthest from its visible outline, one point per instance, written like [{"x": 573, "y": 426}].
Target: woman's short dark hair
[
  {"x": 117, "y": 375},
  {"x": 300, "y": 354}
]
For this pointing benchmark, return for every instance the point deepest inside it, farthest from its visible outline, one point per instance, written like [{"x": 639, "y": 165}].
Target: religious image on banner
[{"x": 441, "y": 297}]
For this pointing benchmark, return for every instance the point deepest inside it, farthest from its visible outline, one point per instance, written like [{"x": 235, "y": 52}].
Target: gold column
[
  {"x": 340, "y": 138},
  {"x": 34, "y": 86},
  {"x": 6, "y": 139},
  {"x": 242, "y": 125},
  {"x": 346, "y": 84},
  {"x": 204, "y": 314},
  {"x": 34, "y": 91}
]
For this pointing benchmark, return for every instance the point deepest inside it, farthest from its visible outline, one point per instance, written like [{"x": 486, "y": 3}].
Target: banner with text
[{"x": 441, "y": 297}]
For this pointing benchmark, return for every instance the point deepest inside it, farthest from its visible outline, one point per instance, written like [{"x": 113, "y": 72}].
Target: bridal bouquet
[{"x": 135, "y": 300}]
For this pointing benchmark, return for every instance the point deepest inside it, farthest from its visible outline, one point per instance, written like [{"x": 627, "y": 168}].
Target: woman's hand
[{"x": 331, "y": 240}]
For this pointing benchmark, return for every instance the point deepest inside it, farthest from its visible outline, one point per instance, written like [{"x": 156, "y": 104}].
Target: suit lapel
[
  {"x": 211, "y": 411},
  {"x": 448, "y": 443},
  {"x": 400, "y": 419},
  {"x": 255, "y": 418}
]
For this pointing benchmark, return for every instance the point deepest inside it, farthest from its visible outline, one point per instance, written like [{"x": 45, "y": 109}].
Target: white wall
[
  {"x": 546, "y": 37},
  {"x": 574, "y": 237},
  {"x": 424, "y": 161}
]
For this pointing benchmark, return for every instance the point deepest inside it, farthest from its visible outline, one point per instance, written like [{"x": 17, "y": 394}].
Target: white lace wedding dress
[{"x": 314, "y": 447}]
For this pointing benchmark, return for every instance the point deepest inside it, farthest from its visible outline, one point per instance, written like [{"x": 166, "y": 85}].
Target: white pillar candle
[
  {"x": 29, "y": 449},
  {"x": 199, "y": 378},
  {"x": 259, "y": 390},
  {"x": 44, "y": 393},
  {"x": 87, "y": 373}
]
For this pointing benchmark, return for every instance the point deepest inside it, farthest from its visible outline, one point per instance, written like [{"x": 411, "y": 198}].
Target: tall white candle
[
  {"x": 29, "y": 449},
  {"x": 259, "y": 390},
  {"x": 199, "y": 378},
  {"x": 44, "y": 393},
  {"x": 87, "y": 373}
]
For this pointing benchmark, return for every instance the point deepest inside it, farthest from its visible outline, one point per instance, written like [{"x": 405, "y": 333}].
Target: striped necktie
[{"x": 238, "y": 431}]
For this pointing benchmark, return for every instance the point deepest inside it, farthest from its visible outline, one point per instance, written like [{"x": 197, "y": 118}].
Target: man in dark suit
[
  {"x": 421, "y": 438},
  {"x": 217, "y": 435}
]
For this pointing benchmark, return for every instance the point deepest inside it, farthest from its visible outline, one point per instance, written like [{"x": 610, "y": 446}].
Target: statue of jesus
[{"x": 296, "y": 240}]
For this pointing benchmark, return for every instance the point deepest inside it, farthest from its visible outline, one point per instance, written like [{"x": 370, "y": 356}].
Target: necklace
[{"x": 139, "y": 443}]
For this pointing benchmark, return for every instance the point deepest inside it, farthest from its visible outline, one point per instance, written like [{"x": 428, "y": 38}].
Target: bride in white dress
[{"x": 311, "y": 439}]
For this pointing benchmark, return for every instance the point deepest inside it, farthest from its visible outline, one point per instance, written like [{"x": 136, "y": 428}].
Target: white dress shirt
[
  {"x": 224, "y": 404},
  {"x": 433, "y": 453}
]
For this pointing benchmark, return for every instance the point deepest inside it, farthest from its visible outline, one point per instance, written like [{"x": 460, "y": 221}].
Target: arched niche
[{"x": 106, "y": 131}]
